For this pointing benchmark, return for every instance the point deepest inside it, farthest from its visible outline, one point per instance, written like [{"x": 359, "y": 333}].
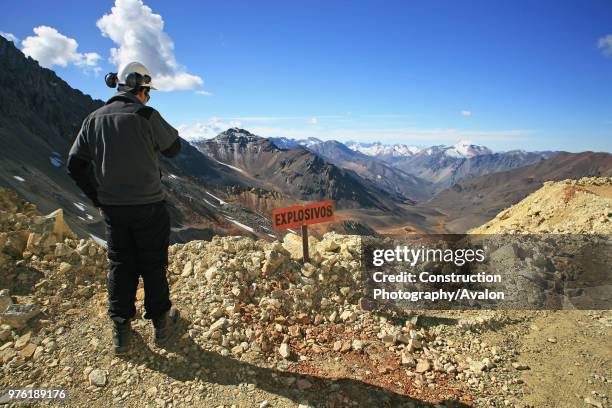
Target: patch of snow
[
  {"x": 209, "y": 203},
  {"x": 216, "y": 198},
  {"x": 172, "y": 176},
  {"x": 90, "y": 217},
  {"x": 379, "y": 149},
  {"x": 56, "y": 162},
  {"x": 467, "y": 149},
  {"x": 230, "y": 166},
  {"x": 19, "y": 178},
  {"x": 246, "y": 227},
  {"x": 98, "y": 240},
  {"x": 311, "y": 141},
  {"x": 80, "y": 206}
]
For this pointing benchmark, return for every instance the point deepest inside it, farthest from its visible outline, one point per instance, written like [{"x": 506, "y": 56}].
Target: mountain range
[
  {"x": 438, "y": 166},
  {"x": 296, "y": 171}
]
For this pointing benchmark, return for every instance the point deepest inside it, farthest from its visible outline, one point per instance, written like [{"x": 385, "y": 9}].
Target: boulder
[
  {"x": 55, "y": 222},
  {"x": 63, "y": 250},
  {"x": 293, "y": 244},
  {"x": 423, "y": 366},
  {"x": 15, "y": 243},
  {"x": 17, "y": 315},
  {"x": 274, "y": 260}
]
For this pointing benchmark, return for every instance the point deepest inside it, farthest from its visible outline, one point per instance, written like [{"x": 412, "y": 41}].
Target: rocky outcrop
[
  {"x": 38, "y": 100},
  {"x": 581, "y": 206}
]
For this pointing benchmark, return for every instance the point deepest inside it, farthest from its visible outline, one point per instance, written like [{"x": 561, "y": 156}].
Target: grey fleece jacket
[{"x": 122, "y": 141}]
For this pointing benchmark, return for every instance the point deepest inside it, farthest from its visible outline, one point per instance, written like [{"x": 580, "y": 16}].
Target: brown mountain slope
[
  {"x": 296, "y": 172},
  {"x": 473, "y": 202}
]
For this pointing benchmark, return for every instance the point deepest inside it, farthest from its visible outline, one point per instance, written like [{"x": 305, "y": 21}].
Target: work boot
[
  {"x": 165, "y": 326},
  {"x": 122, "y": 333}
]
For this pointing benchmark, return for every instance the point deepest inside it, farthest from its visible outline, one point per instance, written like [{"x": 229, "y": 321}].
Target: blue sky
[{"x": 520, "y": 74}]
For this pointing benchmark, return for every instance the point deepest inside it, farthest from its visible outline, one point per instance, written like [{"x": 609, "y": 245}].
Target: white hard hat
[{"x": 135, "y": 74}]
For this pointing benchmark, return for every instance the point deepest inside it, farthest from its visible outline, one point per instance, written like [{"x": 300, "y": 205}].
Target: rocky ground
[
  {"x": 259, "y": 329},
  {"x": 568, "y": 206}
]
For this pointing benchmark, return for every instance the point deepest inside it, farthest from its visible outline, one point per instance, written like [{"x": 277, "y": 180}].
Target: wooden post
[{"x": 305, "y": 257}]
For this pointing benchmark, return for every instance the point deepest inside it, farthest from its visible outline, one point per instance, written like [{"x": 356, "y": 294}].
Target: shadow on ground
[{"x": 216, "y": 369}]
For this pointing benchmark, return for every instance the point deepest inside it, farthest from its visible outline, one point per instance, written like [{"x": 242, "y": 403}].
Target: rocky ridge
[{"x": 580, "y": 206}]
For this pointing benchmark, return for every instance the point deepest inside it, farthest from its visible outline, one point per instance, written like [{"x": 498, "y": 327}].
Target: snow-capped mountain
[
  {"x": 467, "y": 149},
  {"x": 462, "y": 149},
  {"x": 442, "y": 165},
  {"x": 287, "y": 143},
  {"x": 378, "y": 149}
]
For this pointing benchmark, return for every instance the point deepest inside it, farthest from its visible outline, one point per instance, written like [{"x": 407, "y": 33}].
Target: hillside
[
  {"x": 473, "y": 202},
  {"x": 444, "y": 169},
  {"x": 569, "y": 206}
]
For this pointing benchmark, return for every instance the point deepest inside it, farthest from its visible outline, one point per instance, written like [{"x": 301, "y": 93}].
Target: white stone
[
  {"x": 65, "y": 267},
  {"x": 210, "y": 273},
  {"x": 218, "y": 324},
  {"x": 187, "y": 269},
  {"x": 97, "y": 377},
  {"x": 284, "y": 350}
]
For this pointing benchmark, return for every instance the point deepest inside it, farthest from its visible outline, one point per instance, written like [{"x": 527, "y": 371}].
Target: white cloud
[
  {"x": 311, "y": 119},
  {"x": 205, "y": 93},
  {"x": 139, "y": 35},
  {"x": 9, "y": 37},
  {"x": 605, "y": 45},
  {"x": 267, "y": 118},
  {"x": 211, "y": 128},
  {"x": 50, "y": 47},
  {"x": 466, "y": 113}
]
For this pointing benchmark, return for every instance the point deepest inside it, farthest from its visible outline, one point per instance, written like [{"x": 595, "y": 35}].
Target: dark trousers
[{"x": 138, "y": 238}]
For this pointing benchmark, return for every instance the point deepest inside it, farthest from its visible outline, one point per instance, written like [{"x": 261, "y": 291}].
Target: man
[{"x": 115, "y": 161}]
